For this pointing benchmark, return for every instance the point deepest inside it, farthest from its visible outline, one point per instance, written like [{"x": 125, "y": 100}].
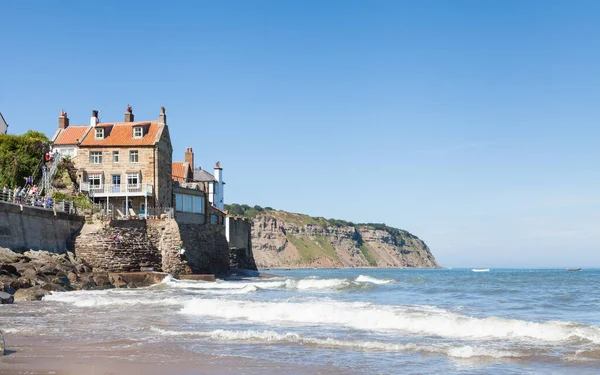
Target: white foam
[
  {"x": 373, "y": 280},
  {"x": 317, "y": 284},
  {"x": 108, "y": 298},
  {"x": 308, "y": 284},
  {"x": 410, "y": 320},
  {"x": 290, "y": 337}
]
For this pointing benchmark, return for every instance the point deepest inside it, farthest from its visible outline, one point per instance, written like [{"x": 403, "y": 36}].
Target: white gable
[{"x": 3, "y": 125}]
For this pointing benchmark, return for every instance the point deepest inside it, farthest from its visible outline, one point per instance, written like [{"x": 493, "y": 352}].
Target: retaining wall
[{"x": 31, "y": 228}]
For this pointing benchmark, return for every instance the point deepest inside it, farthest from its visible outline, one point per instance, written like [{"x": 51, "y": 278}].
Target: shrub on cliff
[{"x": 20, "y": 156}]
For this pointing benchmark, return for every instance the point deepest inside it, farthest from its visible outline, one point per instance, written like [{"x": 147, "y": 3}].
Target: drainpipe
[{"x": 154, "y": 176}]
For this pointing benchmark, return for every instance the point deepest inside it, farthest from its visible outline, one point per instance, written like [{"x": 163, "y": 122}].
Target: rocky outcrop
[
  {"x": 284, "y": 240},
  {"x": 33, "y": 274}
]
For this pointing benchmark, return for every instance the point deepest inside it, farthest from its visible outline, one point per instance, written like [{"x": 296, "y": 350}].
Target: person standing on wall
[{"x": 181, "y": 250}]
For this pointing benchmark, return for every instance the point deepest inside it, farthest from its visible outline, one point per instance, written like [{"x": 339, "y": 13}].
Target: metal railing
[
  {"x": 118, "y": 212},
  {"x": 33, "y": 200},
  {"x": 45, "y": 182},
  {"x": 116, "y": 189}
]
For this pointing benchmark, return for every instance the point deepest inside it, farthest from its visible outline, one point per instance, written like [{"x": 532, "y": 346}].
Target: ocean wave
[
  {"x": 294, "y": 338},
  {"x": 406, "y": 319},
  {"x": 372, "y": 280},
  {"x": 306, "y": 284},
  {"x": 104, "y": 298}
]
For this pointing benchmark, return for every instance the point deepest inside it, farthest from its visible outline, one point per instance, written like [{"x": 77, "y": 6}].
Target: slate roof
[
  {"x": 72, "y": 135},
  {"x": 203, "y": 176}
]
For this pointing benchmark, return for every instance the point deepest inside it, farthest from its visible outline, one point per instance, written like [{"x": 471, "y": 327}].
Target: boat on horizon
[
  {"x": 573, "y": 269},
  {"x": 480, "y": 270}
]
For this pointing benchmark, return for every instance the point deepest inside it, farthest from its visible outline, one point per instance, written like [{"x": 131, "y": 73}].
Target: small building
[
  {"x": 214, "y": 185},
  {"x": 3, "y": 125},
  {"x": 185, "y": 172},
  {"x": 124, "y": 164}
]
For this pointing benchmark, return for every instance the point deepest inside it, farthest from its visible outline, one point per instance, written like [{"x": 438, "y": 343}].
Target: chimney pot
[
  {"x": 63, "y": 120},
  {"x": 162, "y": 118},
  {"x": 189, "y": 157},
  {"x": 129, "y": 114},
  {"x": 94, "y": 120}
]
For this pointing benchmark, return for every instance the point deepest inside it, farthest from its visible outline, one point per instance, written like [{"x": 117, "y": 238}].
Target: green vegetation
[
  {"x": 251, "y": 212},
  {"x": 364, "y": 249},
  {"x": 82, "y": 202},
  {"x": 21, "y": 156},
  {"x": 312, "y": 249},
  {"x": 244, "y": 210}
]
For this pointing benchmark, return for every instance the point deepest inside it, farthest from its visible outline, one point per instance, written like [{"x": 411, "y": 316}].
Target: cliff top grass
[{"x": 251, "y": 212}]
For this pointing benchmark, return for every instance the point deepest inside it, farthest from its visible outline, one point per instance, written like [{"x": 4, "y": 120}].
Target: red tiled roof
[
  {"x": 121, "y": 134},
  {"x": 72, "y": 135},
  {"x": 179, "y": 171}
]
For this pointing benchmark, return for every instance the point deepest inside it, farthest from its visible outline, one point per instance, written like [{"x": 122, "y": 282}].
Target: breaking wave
[
  {"x": 305, "y": 284},
  {"x": 406, "y": 319},
  {"x": 294, "y": 338},
  {"x": 372, "y": 280},
  {"x": 120, "y": 297}
]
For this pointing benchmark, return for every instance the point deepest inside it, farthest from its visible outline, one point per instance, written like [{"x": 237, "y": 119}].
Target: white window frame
[
  {"x": 92, "y": 178},
  {"x": 115, "y": 153},
  {"x": 99, "y": 133},
  {"x": 96, "y": 157},
  {"x": 135, "y": 176},
  {"x": 131, "y": 154},
  {"x": 136, "y": 130}
]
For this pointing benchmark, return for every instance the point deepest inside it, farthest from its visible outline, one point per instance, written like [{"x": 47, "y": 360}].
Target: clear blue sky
[{"x": 472, "y": 124}]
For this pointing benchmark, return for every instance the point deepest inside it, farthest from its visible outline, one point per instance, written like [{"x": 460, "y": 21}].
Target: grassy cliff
[{"x": 285, "y": 239}]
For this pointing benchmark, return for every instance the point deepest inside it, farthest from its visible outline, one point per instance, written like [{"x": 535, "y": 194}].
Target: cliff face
[{"x": 282, "y": 239}]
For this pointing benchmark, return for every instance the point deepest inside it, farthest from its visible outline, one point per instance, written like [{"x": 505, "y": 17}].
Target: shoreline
[{"x": 45, "y": 355}]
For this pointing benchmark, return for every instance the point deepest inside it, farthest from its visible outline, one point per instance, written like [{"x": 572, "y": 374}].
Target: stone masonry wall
[
  {"x": 240, "y": 243},
  {"x": 164, "y": 170},
  {"x": 154, "y": 243},
  {"x": 134, "y": 251},
  {"x": 206, "y": 247},
  {"x": 24, "y": 227}
]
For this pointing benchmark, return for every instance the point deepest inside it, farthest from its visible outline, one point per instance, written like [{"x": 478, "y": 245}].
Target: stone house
[{"x": 121, "y": 162}]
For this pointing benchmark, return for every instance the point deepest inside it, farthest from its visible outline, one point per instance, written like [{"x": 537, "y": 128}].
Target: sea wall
[
  {"x": 239, "y": 236},
  {"x": 154, "y": 244},
  {"x": 24, "y": 227}
]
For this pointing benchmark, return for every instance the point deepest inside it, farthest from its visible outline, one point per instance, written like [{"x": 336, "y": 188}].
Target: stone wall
[
  {"x": 164, "y": 170},
  {"x": 154, "y": 243},
  {"x": 206, "y": 247},
  {"x": 132, "y": 253},
  {"x": 239, "y": 238},
  {"x": 24, "y": 227}
]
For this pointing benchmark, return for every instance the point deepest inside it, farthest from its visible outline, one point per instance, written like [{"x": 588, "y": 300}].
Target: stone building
[{"x": 121, "y": 162}]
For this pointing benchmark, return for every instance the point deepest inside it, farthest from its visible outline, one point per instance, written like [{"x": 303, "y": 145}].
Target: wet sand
[{"x": 37, "y": 355}]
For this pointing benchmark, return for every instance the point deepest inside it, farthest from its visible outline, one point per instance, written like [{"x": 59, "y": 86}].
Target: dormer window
[
  {"x": 99, "y": 133},
  {"x": 138, "y": 132}
]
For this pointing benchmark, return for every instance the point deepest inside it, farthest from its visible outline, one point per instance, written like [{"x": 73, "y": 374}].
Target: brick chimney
[
  {"x": 63, "y": 120},
  {"x": 94, "y": 119},
  {"x": 189, "y": 157},
  {"x": 162, "y": 118},
  {"x": 129, "y": 114}
]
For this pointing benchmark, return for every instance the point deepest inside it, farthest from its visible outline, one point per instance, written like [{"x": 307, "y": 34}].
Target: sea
[{"x": 352, "y": 321}]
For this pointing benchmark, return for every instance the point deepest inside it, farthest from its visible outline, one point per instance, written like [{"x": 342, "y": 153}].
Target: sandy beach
[{"x": 43, "y": 355}]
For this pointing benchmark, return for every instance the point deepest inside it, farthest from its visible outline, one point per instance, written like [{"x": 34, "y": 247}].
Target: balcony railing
[{"x": 117, "y": 190}]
